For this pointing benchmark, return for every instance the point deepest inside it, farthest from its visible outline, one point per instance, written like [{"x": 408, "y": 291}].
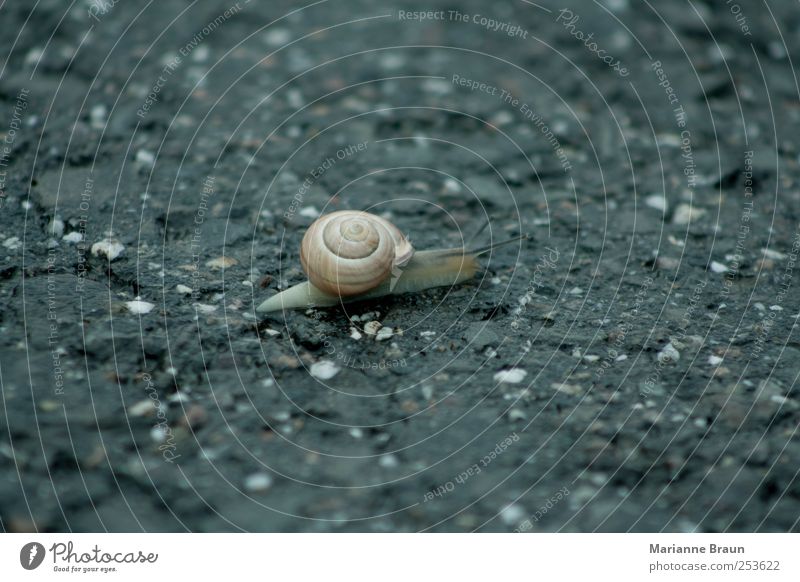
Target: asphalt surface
[{"x": 631, "y": 366}]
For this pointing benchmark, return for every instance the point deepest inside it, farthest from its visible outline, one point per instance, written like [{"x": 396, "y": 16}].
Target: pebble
[
  {"x": 272, "y": 332},
  {"x": 183, "y": 289},
  {"x": 158, "y": 434},
  {"x": 324, "y": 370},
  {"x": 257, "y": 482},
  {"x": 309, "y": 212},
  {"x": 775, "y": 308},
  {"x": 770, "y": 254},
  {"x": 388, "y": 461},
  {"x": 356, "y": 432},
  {"x": 139, "y": 307},
  {"x": 109, "y": 247},
  {"x": 56, "y": 227},
  {"x": 49, "y": 405},
  {"x": 565, "y": 388},
  {"x": 512, "y": 514},
  {"x": 145, "y": 158},
  {"x": 205, "y": 309},
  {"x": 591, "y": 358},
  {"x": 452, "y": 186},
  {"x": 686, "y": 213},
  {"x": 427, "y": 334},
  {"x": 355, "y": 334},
  {"x": 657, "y": 201},
  {"x": 669, "y": 354},
  {"x": 12, "y": 243},
  {"x": 142, "y": 408},
  {"x": 278, "y": 36},
  {"x": 516, "y": 414},
  {"x": 221, "y": 263},
  {"x": 512, "y": 376},
  {"x": 718, "y": 267},
  {"x": 714, "y": 360},
  {"x": 98, "y": 115},
  {"x": 668, "y": 263},
  {"x": 73, "y": 237},
  {"x": 384, "y": 333},
  {"x": 372, "y": 327}
]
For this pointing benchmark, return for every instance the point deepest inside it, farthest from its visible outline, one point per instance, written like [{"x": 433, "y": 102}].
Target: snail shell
[
  {"x": 347, "y": 253},
  {"x": 351, "y": 256}
]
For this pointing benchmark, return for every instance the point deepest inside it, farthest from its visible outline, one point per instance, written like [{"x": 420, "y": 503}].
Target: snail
[{"x": 353, "y": 255}]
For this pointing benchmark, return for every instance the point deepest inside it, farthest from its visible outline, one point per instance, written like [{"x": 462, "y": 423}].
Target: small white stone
[
  {"x": 512, "y": 514},
  {"x": 12, "y": 243},
  {"x": 205, "y": 309},
  {"x": 73, "y": 237},
  {"x": 139, "y": 307},
  {"x": 324, "y": 370},
  {"x": 257, "y": 482},
  {"x": 775, "y": 308},
  {"x": 512, "y": 376},
  {"x": 384, "y": 333},
  {"x": 388, "y": 461},
  {"x": 516, "y": 414},
  {"x": 770, "y": 254},
  {"x": 427, "y": 334},
  {"x": 272, "y": 332},
  {"x": 98, "y": 115},
  {"x": 200, "y": 54},
  {"x": 686, "y": 213},
  {"x": 221, "y": 263},
  {"x": 452, "y": 186},
  {"x": 576, "y": 291},
  {"x": 718, "y": 267},
  {"x": 142, "y": 408},
  {"x": 570, "y": 389},
  {"x": 278, "y": 36},
  {"x": 109, "y": 247},
  {"x": 309, "y": 212},
  {"x": 356, "y": 432},
  {"x": 372, "y": 327},
  {"x": 183, "y": 289},
  {"x": 621, "y": 358},
  {"x": 355, "y": 334},
  {"x": 145, "y": 158},
  {"x": 656, "y": 201},
  {"x": 714, "y": 360},
  {"x": 56, "y": 227},
  {"x": 591, "y": 358},
  {"x": 158, "y": 434},
  {"x": 675, "y": 241},
  {"x": 669, "y": 354}
]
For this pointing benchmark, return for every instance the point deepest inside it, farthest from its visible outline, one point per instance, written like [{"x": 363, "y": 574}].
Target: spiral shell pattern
[{"x": 346, "y": 253}]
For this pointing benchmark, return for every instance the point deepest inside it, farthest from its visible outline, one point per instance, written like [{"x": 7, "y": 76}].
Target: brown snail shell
[{"x": 347, "y": 253}]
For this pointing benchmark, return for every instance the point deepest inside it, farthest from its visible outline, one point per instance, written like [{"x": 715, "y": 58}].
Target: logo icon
[{"x": 31, "y": 555}]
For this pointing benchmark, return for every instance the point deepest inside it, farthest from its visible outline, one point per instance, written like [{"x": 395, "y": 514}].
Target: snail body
[{"x": 351, "y": 256}]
